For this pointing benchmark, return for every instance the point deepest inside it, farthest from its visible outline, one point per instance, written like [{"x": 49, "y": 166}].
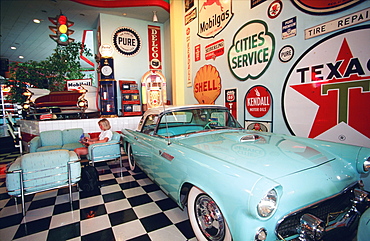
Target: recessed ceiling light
[
  {"x": 37, "y": 20},
  {"x": 21, "y": 57},
  {"x": 124, "y": 14},
  {"x": 13, "y": 47}
]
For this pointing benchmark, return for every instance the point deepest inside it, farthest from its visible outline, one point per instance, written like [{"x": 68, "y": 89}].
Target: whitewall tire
[{"x": 206, "y": 218}]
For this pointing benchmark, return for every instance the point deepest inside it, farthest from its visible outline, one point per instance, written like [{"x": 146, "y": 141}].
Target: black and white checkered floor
[{"x": 131, "y": 208}]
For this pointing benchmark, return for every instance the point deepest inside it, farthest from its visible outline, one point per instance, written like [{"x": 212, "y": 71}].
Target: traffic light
[{"x": 61, "y": 29}]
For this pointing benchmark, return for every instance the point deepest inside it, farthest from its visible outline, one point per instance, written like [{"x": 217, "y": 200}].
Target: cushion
[
  {"x": 48, "y": 148},
  {"x": 72, "y": 146},
  {"x": 72, "y": 135},
  {"x": 51, "y": 138}
]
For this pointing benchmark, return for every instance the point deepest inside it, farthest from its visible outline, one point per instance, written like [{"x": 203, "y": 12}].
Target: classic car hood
[{"x": 268, "y": 154}]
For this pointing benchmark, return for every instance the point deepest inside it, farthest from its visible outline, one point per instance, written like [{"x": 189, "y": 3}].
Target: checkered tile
[{"x": 130, "y": 208}]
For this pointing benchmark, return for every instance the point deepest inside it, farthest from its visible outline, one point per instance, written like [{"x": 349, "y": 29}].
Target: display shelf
[{"x": 131, "y": 104}]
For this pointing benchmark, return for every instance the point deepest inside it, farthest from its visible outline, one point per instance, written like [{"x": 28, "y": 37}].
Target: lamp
[
  {"x": 28, "y": 103},
  {"x": 82, "y": 103},
  {"x": 155, "y": 18}
]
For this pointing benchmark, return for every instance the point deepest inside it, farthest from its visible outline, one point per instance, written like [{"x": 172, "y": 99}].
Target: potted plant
[{"x": 50, "y": 74}]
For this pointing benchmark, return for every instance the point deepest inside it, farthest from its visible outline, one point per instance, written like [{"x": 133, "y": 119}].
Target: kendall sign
[
  {"x": 251, "y": 51},
  {"x": 327, "y": 91}
]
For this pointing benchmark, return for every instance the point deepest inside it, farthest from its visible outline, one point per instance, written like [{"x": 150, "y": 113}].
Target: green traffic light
[{"x": 63, "y": 37}]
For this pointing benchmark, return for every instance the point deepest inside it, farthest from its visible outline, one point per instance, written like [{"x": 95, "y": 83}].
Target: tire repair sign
[{"x": 326, "y": 94}]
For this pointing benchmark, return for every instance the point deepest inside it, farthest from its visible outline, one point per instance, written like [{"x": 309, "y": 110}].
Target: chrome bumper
[{"x": 322, "y": 221}]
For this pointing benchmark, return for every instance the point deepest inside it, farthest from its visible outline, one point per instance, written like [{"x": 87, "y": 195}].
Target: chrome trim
[
  {"x": 367, "y": 165},
  {"x": 311, "y": 227},
  {"x": 23, "y": 191},
  {"x": 258, "y": 237},
  {"x": 107, "y": 157},
  {"x": 361, "y": 199},
  {"x": 315, "y": 203}
]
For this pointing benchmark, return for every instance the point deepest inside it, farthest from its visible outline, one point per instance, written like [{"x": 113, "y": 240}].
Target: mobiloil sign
[{"x": 251, "y": 51}]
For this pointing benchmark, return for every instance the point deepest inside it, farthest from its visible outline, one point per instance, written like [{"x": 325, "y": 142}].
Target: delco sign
[
  {"x": 213, "y": 17},
  {"x": 251, "y": 51}
]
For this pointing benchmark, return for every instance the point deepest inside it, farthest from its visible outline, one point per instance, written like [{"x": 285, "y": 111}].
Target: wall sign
[
  {"x": 215, "y": 49},
  {"x": 155, "y": 49},
  {"x": 329, "y": 86},
  {"x": 251, "y": 51},
  {"x": 289, "y": 28},
  {"x": 197, "y": 52},
  {"x": 188, "y": 59},
  {"x": 255, "y": 3},
  {"x": 324, "y": 6},
  {"x": 275, "y": 9},
  {"x": 286, "y": 53},
  {"x": 207, "y": 85},
  {"x": 339, "y": 23},
  {"x": 126, "y": 41},
  {"x": 231, "y": 101},
  {"x": 213, "y": 16},
  {"x": 258, "y": 101},
  {"x": 189, "y": 17}
]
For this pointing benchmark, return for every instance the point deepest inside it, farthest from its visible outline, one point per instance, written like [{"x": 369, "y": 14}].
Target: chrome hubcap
[{"x": 209, "y": 218}]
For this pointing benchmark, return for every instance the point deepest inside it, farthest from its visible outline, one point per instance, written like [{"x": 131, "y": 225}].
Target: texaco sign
[{"x": 326, "y": 94}]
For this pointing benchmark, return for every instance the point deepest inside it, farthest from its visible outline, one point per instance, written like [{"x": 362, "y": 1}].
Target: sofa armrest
[
  {"x": 104, "y": 151},
  {"x": 13, "y": 177},
  {"x": 35, "y": 143}
]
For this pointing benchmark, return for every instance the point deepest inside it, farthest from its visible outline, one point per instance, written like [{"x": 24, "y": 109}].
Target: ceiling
[{"x": 32, "y": 40}]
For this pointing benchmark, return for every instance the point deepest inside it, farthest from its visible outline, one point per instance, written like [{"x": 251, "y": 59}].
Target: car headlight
[{"x": 268, "y": 204}]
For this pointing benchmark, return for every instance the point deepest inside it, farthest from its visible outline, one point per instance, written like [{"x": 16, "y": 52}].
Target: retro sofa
[
  {"x": 57, "y": 139},
  {"x": 41, "y": 171}
]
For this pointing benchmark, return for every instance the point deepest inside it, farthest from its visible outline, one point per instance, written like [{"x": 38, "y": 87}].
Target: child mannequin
[{"x": 105, "y": 135}]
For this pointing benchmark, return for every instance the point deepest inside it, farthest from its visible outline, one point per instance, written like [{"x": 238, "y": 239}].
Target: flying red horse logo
[{"x": 211, "y": 2}]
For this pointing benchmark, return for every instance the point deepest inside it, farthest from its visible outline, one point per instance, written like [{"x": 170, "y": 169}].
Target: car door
[{"x": 142, "y": 149}]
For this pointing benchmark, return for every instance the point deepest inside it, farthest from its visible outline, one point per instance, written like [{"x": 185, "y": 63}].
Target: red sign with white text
[
  {"x": 215, "y": 49},
  {"x": 258, "y": 101},
  {"x": 154, "y": 38},
  {"x": 230, "y": 101}
]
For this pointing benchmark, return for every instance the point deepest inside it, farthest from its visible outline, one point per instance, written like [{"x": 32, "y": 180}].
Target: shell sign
[
  {"x": 207, "y": 85},
  {"x": 251, "y": 51}
]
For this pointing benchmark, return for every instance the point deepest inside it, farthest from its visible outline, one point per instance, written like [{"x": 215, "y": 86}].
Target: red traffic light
[{"x": 62, "y": 19}]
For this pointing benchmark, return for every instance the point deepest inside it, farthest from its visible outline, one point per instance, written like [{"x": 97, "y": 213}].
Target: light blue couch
[
  {"x": 41, "y": 171},
  {"x": 56, "y": 139}
]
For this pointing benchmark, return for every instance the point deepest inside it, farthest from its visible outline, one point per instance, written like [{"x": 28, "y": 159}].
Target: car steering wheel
[{"x": 207, "y": 126}]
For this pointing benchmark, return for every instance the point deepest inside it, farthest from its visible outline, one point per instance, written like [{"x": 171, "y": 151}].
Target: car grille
[{"x": 327, "y": 210}]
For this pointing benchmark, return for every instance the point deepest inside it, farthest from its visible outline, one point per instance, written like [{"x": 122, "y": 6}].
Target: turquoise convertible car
[{"x": 246, "y": 185}]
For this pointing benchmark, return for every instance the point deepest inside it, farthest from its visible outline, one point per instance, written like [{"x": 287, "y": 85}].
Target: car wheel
[
  {"x": 206, "y": 218},
  {"x": 131, "y": 159}
]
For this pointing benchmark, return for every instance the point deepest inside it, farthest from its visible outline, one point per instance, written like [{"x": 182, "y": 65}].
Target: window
[{"x": 150, "y": 124}]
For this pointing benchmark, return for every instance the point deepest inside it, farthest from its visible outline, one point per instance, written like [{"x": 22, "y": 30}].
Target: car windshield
[{"x": 194, "y": 120}]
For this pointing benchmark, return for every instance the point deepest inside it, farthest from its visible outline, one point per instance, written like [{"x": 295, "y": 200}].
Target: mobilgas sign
[
  {"x": 326, "y": 94},
  {"x": 213, "y": 16},
  {"x": 251, "y": 51}
]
